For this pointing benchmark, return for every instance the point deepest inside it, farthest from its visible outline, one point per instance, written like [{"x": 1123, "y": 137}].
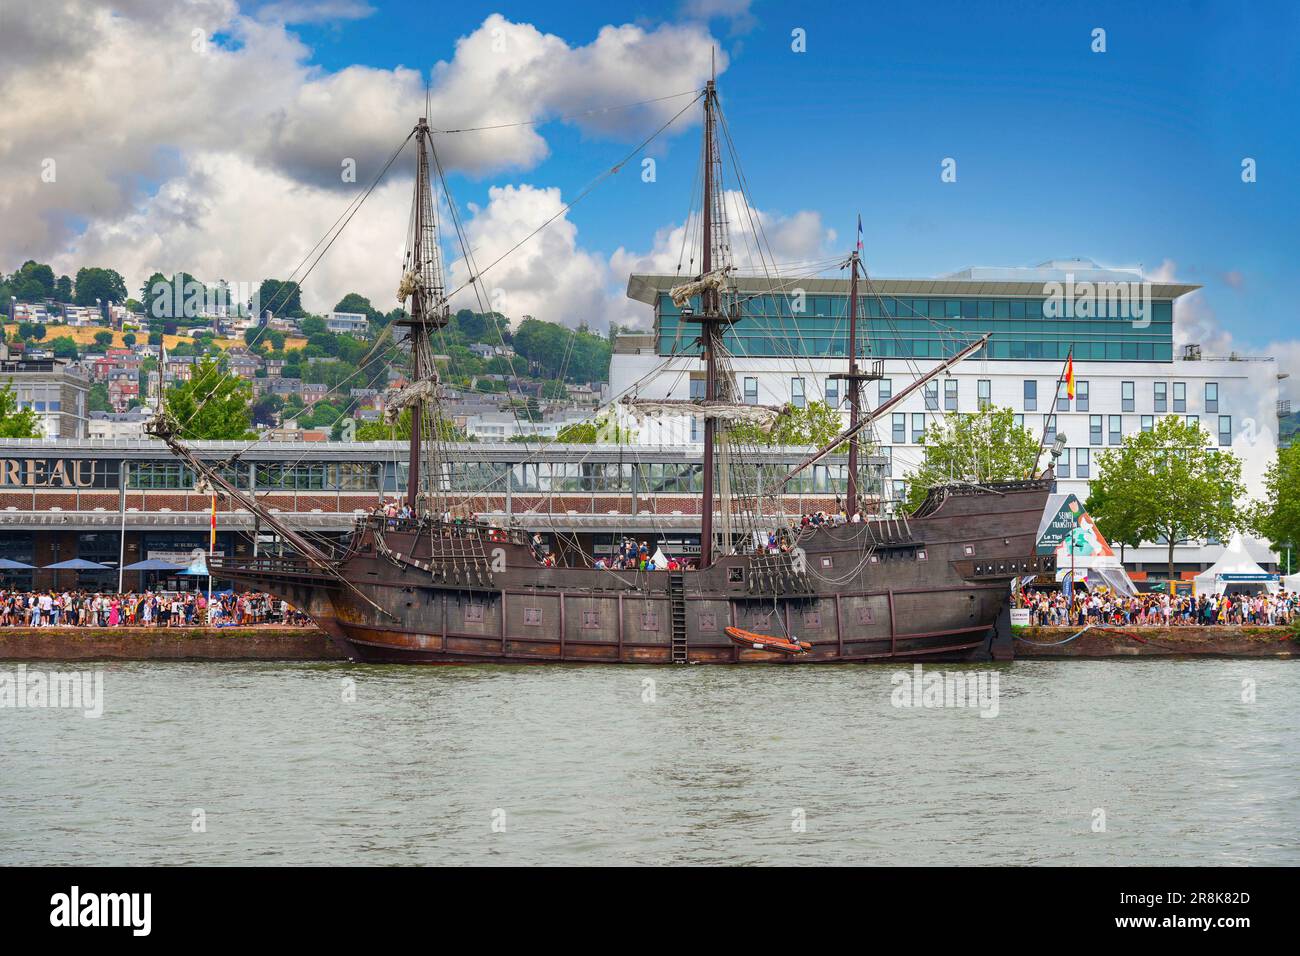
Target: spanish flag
[
  {"x": 1069, "y": 375},
  {"x": 212, "y": 540}
]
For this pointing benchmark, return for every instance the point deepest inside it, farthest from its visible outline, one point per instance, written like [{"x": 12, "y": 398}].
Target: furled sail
[
  {"x": 395, "y": 400},
  {"x": 716, "y": 280},
  {"x": 763, "y": 416},
  {"x": 408, "y": 286}
]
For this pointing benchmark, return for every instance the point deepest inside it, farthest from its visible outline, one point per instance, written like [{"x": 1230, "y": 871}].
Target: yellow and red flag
[
  {"x": 1069, "y": 375},
  {"x": 212, "y": 540}
]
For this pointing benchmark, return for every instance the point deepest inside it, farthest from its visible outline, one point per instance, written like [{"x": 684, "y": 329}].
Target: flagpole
[{"x": 1056, "y": 393}]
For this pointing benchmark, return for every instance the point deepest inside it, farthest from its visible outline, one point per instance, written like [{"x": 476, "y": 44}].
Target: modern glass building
[{"x": 1130, "y": 368}]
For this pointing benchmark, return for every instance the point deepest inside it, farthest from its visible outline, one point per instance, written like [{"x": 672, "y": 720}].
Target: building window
[
  {"x": 796, "y": 393},
  {"x": 1162, "y": 396},
  {"x": 984, "y": 393},
  {"x": 1194, "y": 420},
  {"x": 1211, "y": 398},
  {"x": 1081, "y": 396},
  {"x": 1148, "y": 423},
  {"x": 695, "y": 429},
  {"x": 1062, "y": 396},
  {"x": 1049, "y": 428},
  {"x": 950, "y": 394},
  {"x": 886, "y": 391},
  {"x": 899, "y": 488},
  {"x": 1094, "y": 429},
  {"x": 1116, "y": 428},
  {"x": 900, "y": 428},
  {"x": 1225, "y": 431},
  {"x": 1031, "y": 395},
  {"x": 698, "y": 386},
  {"x": 832, "y": 392},
  {"x": 533, "y": 616},
  {"x": 1127, "y": 400},
  {"x": 1063, "y": 464},
  {"x": 1082, "y": 459},
  {"x": 1020, "y": 420},
  {"x": 751, "y": 390},
  {"x": 931, "y": 396},
  {"x": 918, "y": 427},
  {"x": 1180, "y": 396}
]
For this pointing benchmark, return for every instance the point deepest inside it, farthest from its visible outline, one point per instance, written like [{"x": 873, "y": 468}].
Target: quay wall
[
  {"x": 167, "y": 643},
  {"x": 1044, "y": 642},
  {"x": 310, "y": 644}
]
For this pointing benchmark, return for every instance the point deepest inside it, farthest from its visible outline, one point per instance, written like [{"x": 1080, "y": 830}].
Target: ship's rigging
[{"x": 733, "y": 490}]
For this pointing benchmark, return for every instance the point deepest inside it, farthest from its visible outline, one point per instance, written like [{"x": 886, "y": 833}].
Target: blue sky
[{"x": 1128, "y": 156}]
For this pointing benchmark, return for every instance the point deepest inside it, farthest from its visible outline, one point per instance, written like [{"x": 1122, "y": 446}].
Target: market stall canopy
[
  {"x": 77, "y": 564},
  {"x": 1291, "y": 582},
  {"x": 1068, "y": 531},
  {"x": 153, "y": 564},
  {"x": 1235, "y": 566},
  {"x": 7, "y": 565}
]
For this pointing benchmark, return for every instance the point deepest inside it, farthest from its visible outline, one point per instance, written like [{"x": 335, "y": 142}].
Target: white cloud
[{"x": 175, "y": 120}]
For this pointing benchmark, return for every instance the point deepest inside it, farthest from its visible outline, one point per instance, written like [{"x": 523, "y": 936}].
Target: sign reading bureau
[{"x": 58, "y": 473}]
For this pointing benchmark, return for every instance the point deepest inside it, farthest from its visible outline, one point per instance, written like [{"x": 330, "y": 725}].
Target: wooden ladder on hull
[{"x": 677, "y": 594}]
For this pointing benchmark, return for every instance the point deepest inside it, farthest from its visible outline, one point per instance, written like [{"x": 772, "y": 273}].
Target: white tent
[
  {"x": 1235, "y": 566},
  {"x": 1291, "y": 582}
]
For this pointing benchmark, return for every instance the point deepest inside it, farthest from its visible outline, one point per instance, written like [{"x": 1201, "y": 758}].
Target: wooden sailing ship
[{"x": 434, "y": 587}]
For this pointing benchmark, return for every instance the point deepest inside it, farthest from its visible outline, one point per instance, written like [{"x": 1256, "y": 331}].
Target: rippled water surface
[{"x": 547, "y": 765}]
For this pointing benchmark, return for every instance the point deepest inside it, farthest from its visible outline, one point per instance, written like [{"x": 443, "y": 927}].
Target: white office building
[{"x": 788, "y": 344}]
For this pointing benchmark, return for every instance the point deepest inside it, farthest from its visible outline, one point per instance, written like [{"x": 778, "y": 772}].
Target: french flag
[{"x": 859, "y": 232}]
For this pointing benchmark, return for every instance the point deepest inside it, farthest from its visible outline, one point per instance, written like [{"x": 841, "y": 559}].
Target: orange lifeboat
[{"x": 764, "y": 642}]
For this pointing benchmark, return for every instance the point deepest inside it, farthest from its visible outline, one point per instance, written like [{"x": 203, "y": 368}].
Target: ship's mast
[
  {"x": 710, "y": 318},
  {"x": 429, "y": 313},
  {"x": 855, "y": 392}
]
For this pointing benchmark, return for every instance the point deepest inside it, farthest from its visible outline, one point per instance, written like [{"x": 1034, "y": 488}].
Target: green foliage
[
  {"x": 814, "y": 424},
  {"x": 15, "y": 423},
  {"x": 64, "y": 347},
  {"x": 281, "y": 298},
  {"x": 980, "y": 447},
  {"x": 33, "y": 282},
  {"x": 97, "y": 398},
  {"x": 603, "y": 431},
  {"x": 128, "y": 339},
  {"x": 104, "y": 338},
  {"x": 213, "y": 405},
  {"x": 1173, "y": 483},
  {"x": 401, "y": 430},
  {"x": 103, "y": 284},
  {"x": 557, "y": 352},
  {"x": 31, "y": 330},
  {"x": 1277, "y": 517}
]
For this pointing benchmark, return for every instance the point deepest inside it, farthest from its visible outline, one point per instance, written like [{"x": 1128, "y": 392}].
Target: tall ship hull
[{"x": 931, "y": 587}]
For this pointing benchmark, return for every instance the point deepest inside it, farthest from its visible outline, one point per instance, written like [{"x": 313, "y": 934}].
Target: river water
[{"x": 1085, "y": 762}]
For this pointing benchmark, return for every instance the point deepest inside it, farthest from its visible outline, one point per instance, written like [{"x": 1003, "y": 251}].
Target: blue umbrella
[
  {"x": 76, "y": 564},
  {"x": 7, "y": 565},
  {"x": 154, "y": 564}
]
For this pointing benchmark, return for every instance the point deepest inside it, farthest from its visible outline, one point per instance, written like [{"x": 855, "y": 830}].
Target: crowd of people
[
  {"x": 632, "y": 555},
  {"x": 151, "y": 609},
  {"x": 1104, "y": 607}
]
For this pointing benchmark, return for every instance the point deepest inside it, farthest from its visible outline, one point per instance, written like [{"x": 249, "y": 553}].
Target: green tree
[
  {"x": 104, "y": 338},
  {"x": 103, "y": 284},
  {"x": 984, "y": 446},
  {"x": 401, "y": 430},
  {"x": 213, "y": 405},
  {"x": 1277, "y": 517},
  {"x": 33, "y": 282},
  {"x": 64, "y": 347},
  {"x": 1182, "y": 486},
  {"x": 15, "y": 422},
  {"x": 814, "y": 424},
  {"x": 97, "y": 398},
  {"x": 1119, "y": 518},
  {"x": 281, "y": 298},
  {"x": 128, "y": 339}
]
